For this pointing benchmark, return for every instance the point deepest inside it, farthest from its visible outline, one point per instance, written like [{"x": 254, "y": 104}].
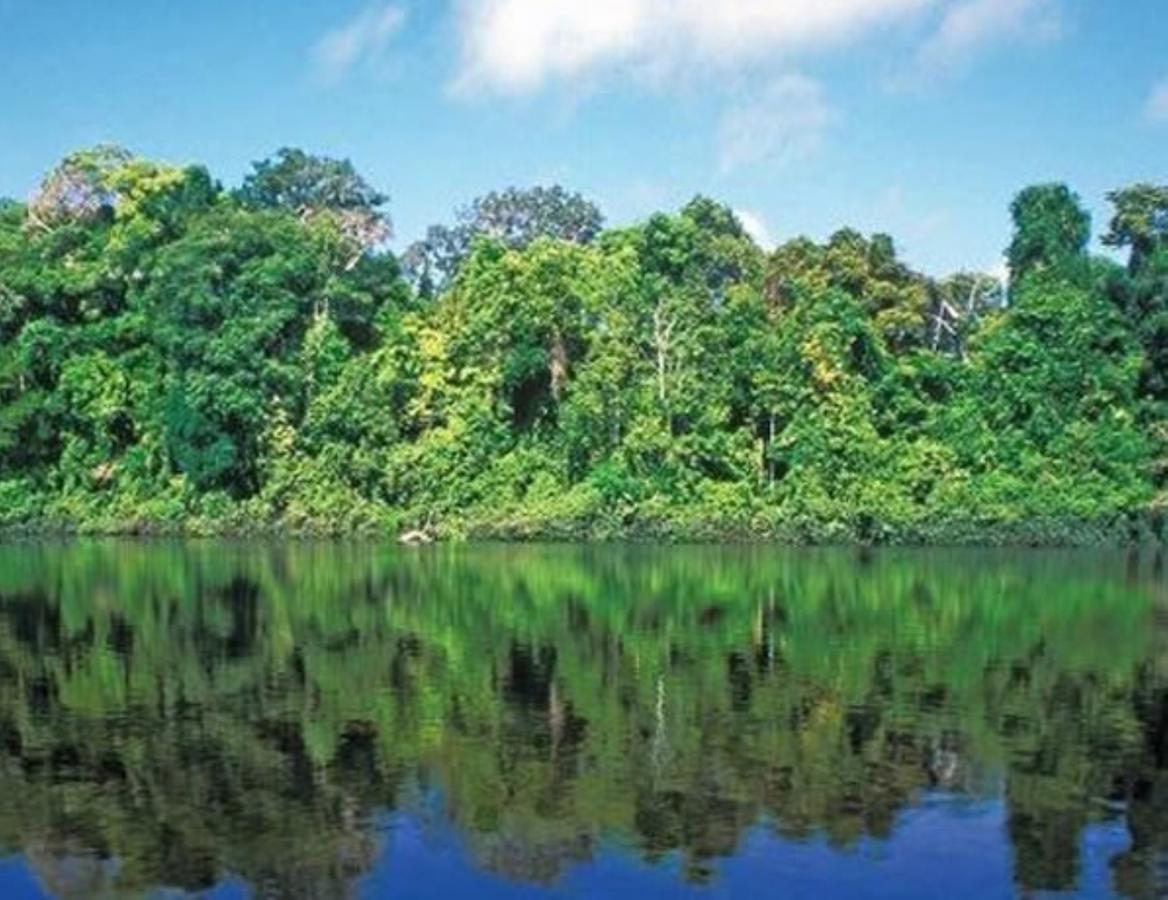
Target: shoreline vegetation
[
  {"x": 181, "y": 358},
  {"x": 1034, "y": 534},
  {"x": 678, "y": 526}
]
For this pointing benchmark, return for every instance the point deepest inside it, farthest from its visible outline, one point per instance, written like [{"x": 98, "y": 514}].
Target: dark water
[{"x": 321, "y": 721}]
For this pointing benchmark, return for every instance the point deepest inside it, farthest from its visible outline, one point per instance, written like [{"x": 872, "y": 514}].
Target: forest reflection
[{"x": 174, "y": 714}]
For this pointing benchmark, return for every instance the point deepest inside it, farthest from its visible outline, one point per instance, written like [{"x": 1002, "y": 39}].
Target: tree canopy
[
  {"x": 515, "y": 217},
  {"x": 177, "y": 356}
]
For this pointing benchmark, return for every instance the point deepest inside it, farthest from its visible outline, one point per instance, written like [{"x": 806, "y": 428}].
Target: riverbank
[{"x": 656, "y": 522}]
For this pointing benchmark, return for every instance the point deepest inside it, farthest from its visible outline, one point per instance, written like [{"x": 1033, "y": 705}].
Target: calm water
[{"x": 321, "y": 721}]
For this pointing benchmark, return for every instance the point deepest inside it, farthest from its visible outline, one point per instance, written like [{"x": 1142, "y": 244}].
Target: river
[{"x": 324, "y": 720}]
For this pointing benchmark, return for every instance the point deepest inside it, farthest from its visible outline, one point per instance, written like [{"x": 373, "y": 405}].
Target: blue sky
[{"x": 917, "y": 117}]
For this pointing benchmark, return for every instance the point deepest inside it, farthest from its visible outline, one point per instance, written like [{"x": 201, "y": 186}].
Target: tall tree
[
  {"x": 1051, "y": 230},
  {"x": 78, "y": 187},
  {"x": 1140, "y": 221},
  {"x": 515, "y": 217},
  {"x": 867, "y": 269},
  {"x": 1140, "y": 224},
  {"x": 311, "y": 186}
]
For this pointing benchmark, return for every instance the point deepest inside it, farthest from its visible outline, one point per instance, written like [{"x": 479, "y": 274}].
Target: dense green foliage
[
  {"x": 174, "y": 356},
  {"x": 174, "y": 714}
]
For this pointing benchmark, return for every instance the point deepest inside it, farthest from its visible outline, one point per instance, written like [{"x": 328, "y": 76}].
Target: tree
[
  {"x": 865, "y": 268},
  {"x": 302, "y": 184},
  {"x": 826, "y": 443},
  {"x": 79, "y": 187},
  {"x": 234, "y": 300},
  {"x": 515, "y": 217},
  {"x": 689, "y": 263},
  {"x": 520, "y": 315},
  {"x": 1051, "y": 230},
  {"x": 959, "y": 303},
  {"x": 1140, "y": 221},
  {"x": 311, "y": 187},
  {"x": 1052, "y": 396}
]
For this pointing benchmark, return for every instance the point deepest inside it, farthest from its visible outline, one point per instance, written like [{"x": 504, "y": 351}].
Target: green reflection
[{"x": 171, "y": 714}]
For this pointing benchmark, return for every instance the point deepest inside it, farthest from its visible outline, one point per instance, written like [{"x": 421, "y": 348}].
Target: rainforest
[{"x": 181, "y": 357}]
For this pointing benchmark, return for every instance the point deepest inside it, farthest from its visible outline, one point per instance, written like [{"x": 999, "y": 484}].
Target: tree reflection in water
[{"x": 177, "y": 714}]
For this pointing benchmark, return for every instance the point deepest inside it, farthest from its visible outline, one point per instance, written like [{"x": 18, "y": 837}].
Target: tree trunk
[
  {"x": 770, "y": 444},
  {"x": 558, "y": 366},
  {"x": 662, "y": 340}
]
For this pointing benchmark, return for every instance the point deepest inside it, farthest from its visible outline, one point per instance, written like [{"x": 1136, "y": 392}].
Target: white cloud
[
  {"x": 515, "y": 46},
  {"x": 756, "y": 226},
  {"x": 783, "y": 123},
  {"x": 969, "y": 25},
  {"x": 1156, "y": 109},
  {"x": 361, "y": 39}
]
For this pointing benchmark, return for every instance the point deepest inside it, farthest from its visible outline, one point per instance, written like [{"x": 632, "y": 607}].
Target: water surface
[{"x": 327, "y": 720}]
